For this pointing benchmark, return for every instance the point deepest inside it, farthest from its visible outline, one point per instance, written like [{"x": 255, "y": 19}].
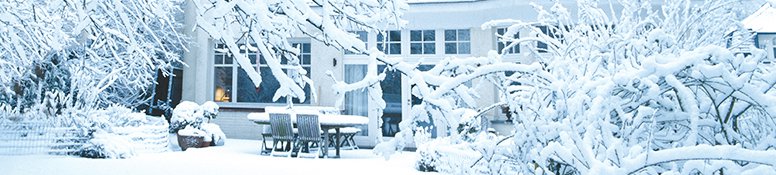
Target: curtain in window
[{"x": 356, "y": 102}]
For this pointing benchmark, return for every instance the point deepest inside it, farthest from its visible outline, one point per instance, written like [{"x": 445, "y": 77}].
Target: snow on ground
[{"x": 236, "y": 157}]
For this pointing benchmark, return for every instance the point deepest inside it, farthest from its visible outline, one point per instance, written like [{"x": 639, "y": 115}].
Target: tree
[
  {"x": 84, "y": 54},
  {"x": 648, "y": 91},
  {"x": 265, "y": 26}
]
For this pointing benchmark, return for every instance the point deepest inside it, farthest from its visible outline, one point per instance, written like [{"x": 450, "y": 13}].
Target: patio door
[
  {"x": 393, "y": 95},
  {"x": 397, "y": 99}
]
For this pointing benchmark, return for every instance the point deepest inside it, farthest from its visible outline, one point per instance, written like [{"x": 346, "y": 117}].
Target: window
[
  {"x": 502, "y": 44},
  {"x": 457, "y": 41},
  {"x": 542, "y": 46},
  {"x": 222, "y": 78},
  {"x": 390, "y": 44},
  {"x": 363, "y": 35},
  {"x": 552, "y": 33},
  {"x": 232, "y": 84},
  {"x": 773, "y": 56},
  {"x": 422, "y": 42}
]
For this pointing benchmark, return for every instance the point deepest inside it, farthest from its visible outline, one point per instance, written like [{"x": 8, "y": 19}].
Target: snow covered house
[
  {"x": 436, "y": 29},
  {"x": 761, "y": 24}
]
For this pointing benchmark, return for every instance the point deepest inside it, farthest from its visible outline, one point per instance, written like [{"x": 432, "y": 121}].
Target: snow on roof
[{"x": 761, "y": 21}]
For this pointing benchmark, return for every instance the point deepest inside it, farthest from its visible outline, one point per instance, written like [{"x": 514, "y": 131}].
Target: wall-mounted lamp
[{"x": 334, "y": 62}]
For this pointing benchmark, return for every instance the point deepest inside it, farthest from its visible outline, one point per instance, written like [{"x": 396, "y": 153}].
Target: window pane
[
  {"x": 308, "y": 70},
  {"x": 380, "y": 37},
  {"x": 450, "y": 35},
  {"x": 501, "y": 31},
  {"x": 451, "y": 48},
  {"x": 428, "y": 35},
  {"x": 306, "y": 59},
  {"x": 268, "y": 87},
  {"x": 415, "y": 48},
  {"x": 428, "y": 48},
  {"x": 500, "y": 47},
  {"x": 228, "y": 60},
  {"x": 395, "y": 48},
  {"x": 246, "y": 90},
  {"x": 262, "y": 60},
  {"x": 463, "y": 48},
  {"x": 415, "y": 35},
  {"x": 283, "y": 59},
  {"x": 463, "y": 35},
  {"x": 222, "y": 84},
  {"x": 395, "y": 35},
  {"x": 219, "y": 59},
  {"x": 542, "y": 47},
  {"x": 306, "y": 48},
  {"x": 252, "y": 57},
  {"x": 380, "y": 47},
  {"x": 363, "y": 36}
]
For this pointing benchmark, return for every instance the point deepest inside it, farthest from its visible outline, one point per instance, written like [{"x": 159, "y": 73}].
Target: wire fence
[{"x": 27, "y": 138}]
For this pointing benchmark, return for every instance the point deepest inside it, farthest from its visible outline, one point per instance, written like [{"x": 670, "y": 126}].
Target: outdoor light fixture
[{"x": 334, "y": 62}]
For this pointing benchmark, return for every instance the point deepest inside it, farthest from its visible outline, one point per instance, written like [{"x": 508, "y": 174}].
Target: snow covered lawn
[{"x": 236, "y": 157}]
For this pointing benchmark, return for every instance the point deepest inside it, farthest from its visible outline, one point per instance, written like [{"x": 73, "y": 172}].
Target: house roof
[{"x": 761, "y": 21}]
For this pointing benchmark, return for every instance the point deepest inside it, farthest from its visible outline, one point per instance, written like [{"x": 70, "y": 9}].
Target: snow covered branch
[
  {"x": 97, "y": 52},
  {"x": 269, "y": 24}
]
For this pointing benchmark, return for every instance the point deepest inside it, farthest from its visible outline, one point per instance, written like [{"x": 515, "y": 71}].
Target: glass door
[
  {"x": 357, "y": 103},
  {"x": 392, "y": 94}
]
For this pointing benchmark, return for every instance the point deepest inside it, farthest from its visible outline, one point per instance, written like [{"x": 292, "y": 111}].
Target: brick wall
[{"x": 236, "y": 126}]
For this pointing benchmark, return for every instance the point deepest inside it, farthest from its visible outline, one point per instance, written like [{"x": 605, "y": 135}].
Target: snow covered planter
[{"x": 191, "y": 122}]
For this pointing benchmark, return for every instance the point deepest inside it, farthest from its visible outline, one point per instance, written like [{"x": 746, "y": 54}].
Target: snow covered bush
[
  {"x": 105, "y": 145},
  {"x": 647, "y": 91},
  {"x": 186, "y": 113},
  {"x": 191, "y": 119}
]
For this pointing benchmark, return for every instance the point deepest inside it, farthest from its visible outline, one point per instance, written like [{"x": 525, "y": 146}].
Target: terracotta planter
[{"x": 187, "y": 142}]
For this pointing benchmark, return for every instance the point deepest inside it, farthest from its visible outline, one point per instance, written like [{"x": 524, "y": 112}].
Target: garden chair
[
  {"x": 309, "y": 133},
  {"x": 347, "y": 141},
  {"x": 265, "y": 133},
  {"x": 282, "y": 132}
]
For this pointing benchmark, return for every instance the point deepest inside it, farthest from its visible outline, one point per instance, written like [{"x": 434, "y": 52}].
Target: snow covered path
[{"x": 236, "y": 157}]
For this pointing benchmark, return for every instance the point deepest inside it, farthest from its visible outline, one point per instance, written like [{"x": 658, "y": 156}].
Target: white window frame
[
  {"x": 500, "y": 44},
  {"x": 457, "y": 41},
  {"x": 385, "y": 44},
  {"x": 363, "y": 36},
  {"x": 233, "y": 92},
  {"x": 423, "y": 42}
]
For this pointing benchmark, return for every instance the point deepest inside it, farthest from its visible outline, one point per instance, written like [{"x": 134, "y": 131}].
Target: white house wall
[{"x": 198, "y": 75}]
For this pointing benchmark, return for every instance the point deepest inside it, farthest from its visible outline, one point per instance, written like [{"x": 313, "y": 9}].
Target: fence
[{"x": 25, "y": 138}]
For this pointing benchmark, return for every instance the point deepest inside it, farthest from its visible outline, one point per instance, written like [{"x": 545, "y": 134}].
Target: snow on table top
[{"x": 325, "y": 119}]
